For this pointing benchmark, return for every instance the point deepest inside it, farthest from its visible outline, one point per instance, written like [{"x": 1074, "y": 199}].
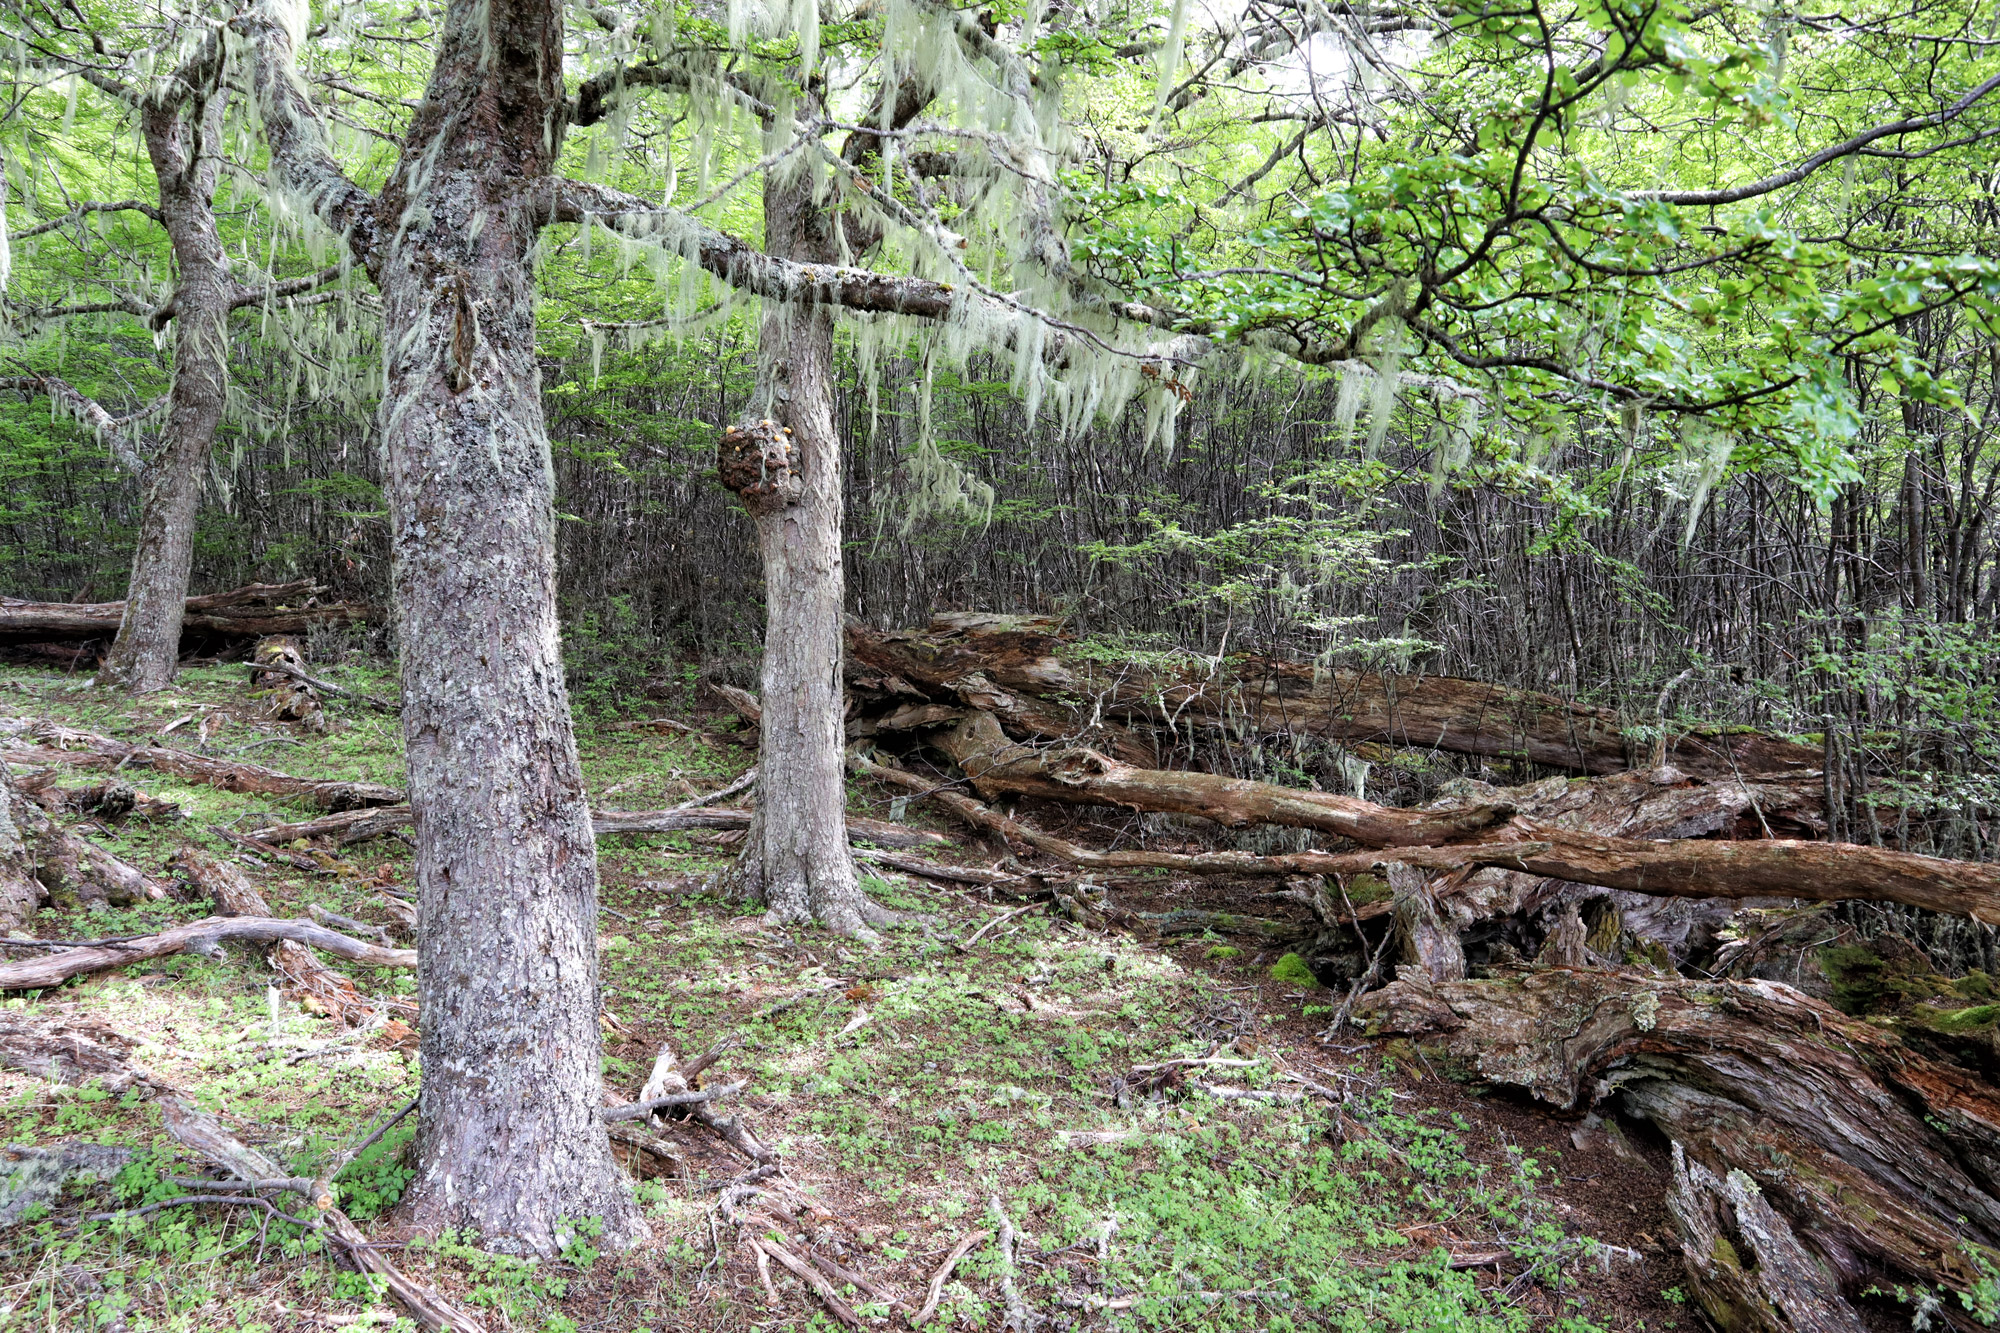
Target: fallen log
[
  {"x": 41, "y": 861},
  {"x": 1038, "y": 667},
  {"x": 228, "y": 774},
  {"x": 1884, "y": 1165},
  {"x": 314, "y": 985},
  {"x": 1688, "y": 867},
  {"x": 55, "y": 968},
  {"x": 360, "y": 825},
  {"x": 255, "y": 611},
  {"x": 999, "y": 766},
  {"x": 1818, "y": 871}
]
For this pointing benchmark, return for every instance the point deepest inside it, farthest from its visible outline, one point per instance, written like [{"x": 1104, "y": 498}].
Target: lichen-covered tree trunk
[
  {"x": 510, "y": 1143},
  {"x": 785, "y": 464},
  {"x": 185, "y": 153}
]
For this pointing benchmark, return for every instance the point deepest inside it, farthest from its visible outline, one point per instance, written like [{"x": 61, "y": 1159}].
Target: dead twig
[
  {"x": 1018, "y": 1319},
  {"x": 943, "y": 1275},
  {"x": 817, "y": 1284},
  {"x": 1000, "y": 920}
]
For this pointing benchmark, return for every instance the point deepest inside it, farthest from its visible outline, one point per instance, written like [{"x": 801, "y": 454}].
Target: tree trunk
[
  {"x": 185, "y": 161},
  {"x": 509, "y": 1140},
  {"x": 785, "y": 464}
]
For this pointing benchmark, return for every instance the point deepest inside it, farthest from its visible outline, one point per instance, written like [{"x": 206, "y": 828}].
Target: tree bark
[
  {"x": 1880, "y": 1162},
  {"x": 182, "y": 139},
  {"x": 509, "y": 1139},
  {"x": 784, "y": 462}
]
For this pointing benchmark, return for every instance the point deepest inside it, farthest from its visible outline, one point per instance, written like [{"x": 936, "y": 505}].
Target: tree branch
[
  {"x": 741, "y": 265},
  {"x": 89, "y": 413},
  {"x": 278, "y": 291},
  {"x": 303, "y": 165},
  {"x": 1806, "y": 168},
  {"x": 76, "y": 213}
]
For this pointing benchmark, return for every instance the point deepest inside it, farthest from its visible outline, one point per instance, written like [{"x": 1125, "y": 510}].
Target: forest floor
[{"x": 906, "y": 1087}]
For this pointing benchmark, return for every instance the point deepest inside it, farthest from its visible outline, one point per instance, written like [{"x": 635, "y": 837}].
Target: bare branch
[
  {"x": 1806, "y": 168},
  {"x": 76, "y": 213},
  {"x": 88, "y": 412}
]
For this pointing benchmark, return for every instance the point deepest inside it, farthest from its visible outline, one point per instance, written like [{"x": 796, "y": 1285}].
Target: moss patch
[{"x": 1292, "y": 970}]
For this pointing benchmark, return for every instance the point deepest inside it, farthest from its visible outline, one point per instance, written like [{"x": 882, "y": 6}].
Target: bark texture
[
  {"x": 509, "y": 1141},
  {"x": 785, "y": 465},
  {"x": 1869, "y": 1159}
]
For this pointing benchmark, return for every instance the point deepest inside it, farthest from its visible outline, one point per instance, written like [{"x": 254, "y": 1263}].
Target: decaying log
[
  {"x": 1747, "y": 1267},
  {"x": 94, "y": 751},
  {"x": 360, "y": 825},
  {"x": 21, "y": 891},
  {"x": 315, "y": 986},
  {"x": 986, "y": 819},
  {"x": 278, "y": 666},
  {"x": 68, "y": 1048},
  {"x": 1426, "y": 940},
  {"x": 1029, "y": 659},
  {"x": 255, "y": 611},
  {"x": 222, "y": 883},
  {"x": 40, "y": 860},
  {"x": 55, "y": 968},
  {"x": 108, "y": 798},
  {"x": 1884, "y": 1165}
]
